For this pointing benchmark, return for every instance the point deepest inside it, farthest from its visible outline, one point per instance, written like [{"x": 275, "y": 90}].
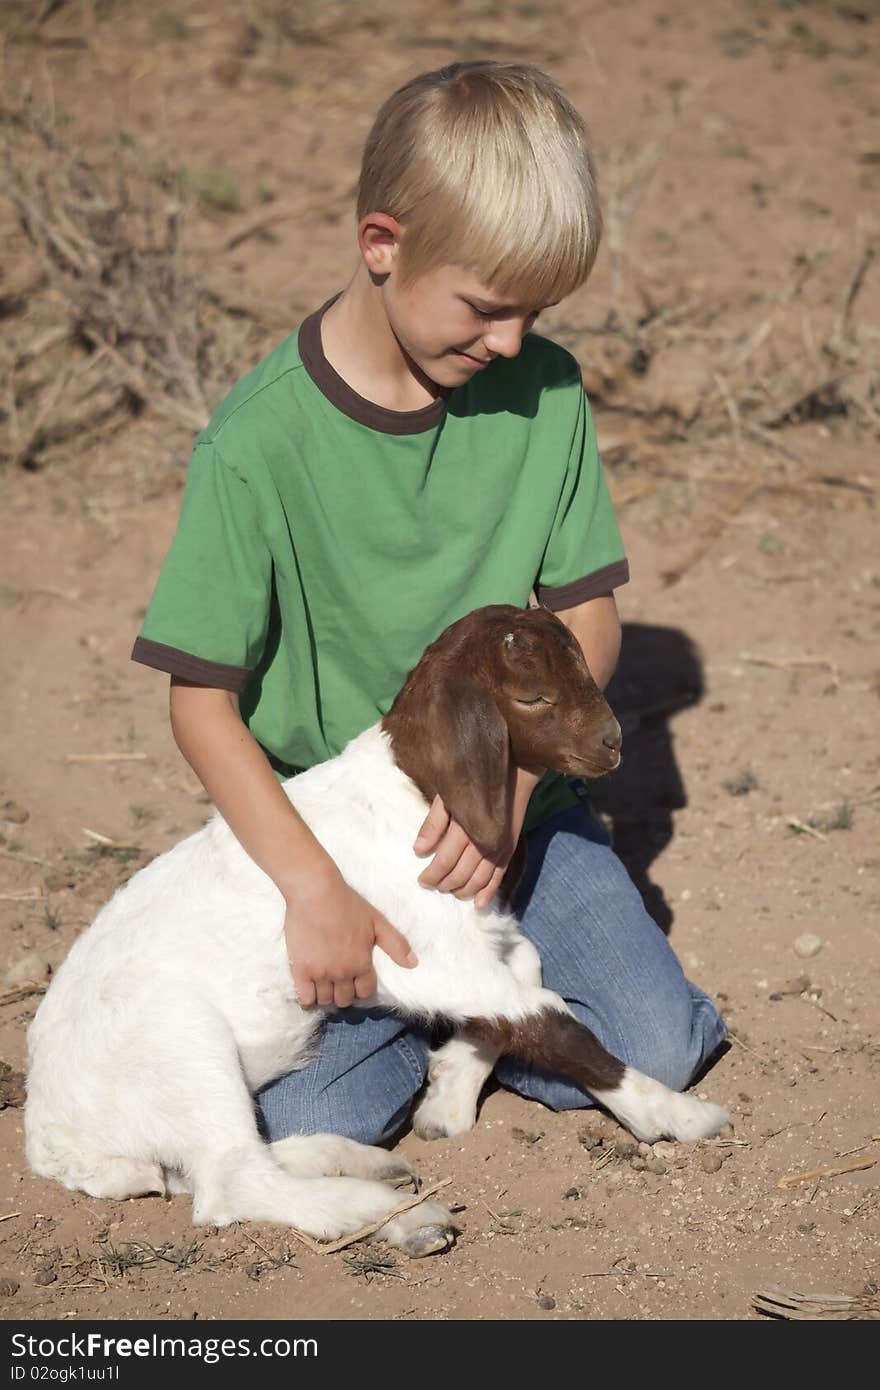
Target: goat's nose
[{"x": 611, "y": 735}]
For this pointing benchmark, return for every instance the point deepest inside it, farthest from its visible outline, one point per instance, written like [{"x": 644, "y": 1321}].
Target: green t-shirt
[{"x": 325, "y": 541}]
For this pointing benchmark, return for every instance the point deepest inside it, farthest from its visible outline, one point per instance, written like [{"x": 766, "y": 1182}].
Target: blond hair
[{"x": 487, "y": 166}]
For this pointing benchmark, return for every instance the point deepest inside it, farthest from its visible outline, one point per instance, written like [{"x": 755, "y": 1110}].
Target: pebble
[
  {"x": 627, "y": 1148},
  {"x": 589, "y": 1138},
  {"x": 546, "y": 1302},
  {"x": 45, "y": 1276},
  {"x": 11, "y": 811},
  {"x": 726, "y": 1131},
  {"x": 807, "y": 944},
  {"x": 710, "y": 1160},
  {"x": 30, "y": 969},
  {"x": 656, "y": 1165},
  {"x": 638, "y": 1163},
  {"x": 644, "y": 1149},
  {"x": 8, "y": 1287},
  {"x": 664, "y": 1150},
  {"x": 572, "y": 1193}
]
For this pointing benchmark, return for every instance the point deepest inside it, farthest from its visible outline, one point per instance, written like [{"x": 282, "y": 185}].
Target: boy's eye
[{"x": 490, "y": 314}]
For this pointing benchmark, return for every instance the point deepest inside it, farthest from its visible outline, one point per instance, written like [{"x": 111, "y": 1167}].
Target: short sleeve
[
  {"x": 208, "y": 618},
  {"x": 584, "y": 556}
]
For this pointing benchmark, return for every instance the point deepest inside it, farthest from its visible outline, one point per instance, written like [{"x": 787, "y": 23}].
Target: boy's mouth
[{"x": 473, "y": 361}]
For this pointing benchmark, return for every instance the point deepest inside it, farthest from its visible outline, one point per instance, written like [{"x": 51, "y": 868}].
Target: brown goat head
[{"x": 502, "y": 685}]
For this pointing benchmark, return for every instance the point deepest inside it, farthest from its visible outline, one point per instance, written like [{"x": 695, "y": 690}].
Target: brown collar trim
[{"x": 339, "y": 393}]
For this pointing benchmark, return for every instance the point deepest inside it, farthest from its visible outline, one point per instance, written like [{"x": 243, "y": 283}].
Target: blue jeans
[{"x": 599, "y": 949}]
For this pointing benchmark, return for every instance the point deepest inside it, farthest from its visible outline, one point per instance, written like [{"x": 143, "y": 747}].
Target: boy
[{"x": 412, "y": 453}]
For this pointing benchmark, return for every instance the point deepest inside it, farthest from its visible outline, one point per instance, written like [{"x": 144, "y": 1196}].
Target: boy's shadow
[{"x": 659, "y": 673}]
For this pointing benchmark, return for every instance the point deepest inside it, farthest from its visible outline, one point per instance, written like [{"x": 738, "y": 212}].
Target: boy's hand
[
  {"x": 330, "y": 932},
  {"x": 458, "y": 867}
]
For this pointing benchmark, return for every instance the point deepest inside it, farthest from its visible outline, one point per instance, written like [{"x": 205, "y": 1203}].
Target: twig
[
  {"x": 851, "y": 294},
  {"x": 831, "y": 1170},
  {"x": 13, "y": 996},
  {"x": 857, "y": 1150},
  {"x": 10, "y": 1215},
  {"x": 804, "y": 829},
  {"x": 25, "y": 895},
  {"x": 814, "y": 1307},
  {"x": 330, "y": 1247},
  {"x": 105, "y": 840},
  {"x": 789, "y": 663}
]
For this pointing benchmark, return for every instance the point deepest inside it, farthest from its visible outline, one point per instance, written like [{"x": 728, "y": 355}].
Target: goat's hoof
[
  {"x": 430, "y": 1131},
  {"x": 428, "y": 1240},
  {"x": 402, "y": 1176},
  {"x": 433, "y": 1120}
]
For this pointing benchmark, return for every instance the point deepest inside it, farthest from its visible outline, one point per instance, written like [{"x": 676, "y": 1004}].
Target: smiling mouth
[{"x": 477, "y": 361}]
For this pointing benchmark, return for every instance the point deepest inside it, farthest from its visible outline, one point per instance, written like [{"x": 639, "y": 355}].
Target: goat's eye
[{"x": 533, "y": 700}]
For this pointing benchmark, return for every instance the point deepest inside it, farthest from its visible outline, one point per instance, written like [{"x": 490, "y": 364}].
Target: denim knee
[
  {"x": 675, "y": 1044},
  {"x": 361, "y": 1084}
]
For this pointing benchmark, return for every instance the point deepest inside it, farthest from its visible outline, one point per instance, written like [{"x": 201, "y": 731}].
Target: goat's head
[{"x": 501, "y": 686}]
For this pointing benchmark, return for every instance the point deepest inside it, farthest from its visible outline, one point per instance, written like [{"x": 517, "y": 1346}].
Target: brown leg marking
[{"x": 555, "y": 1042}]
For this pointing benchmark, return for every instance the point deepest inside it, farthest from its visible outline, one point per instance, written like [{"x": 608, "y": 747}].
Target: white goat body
[{"x": 177, "y": 1004}]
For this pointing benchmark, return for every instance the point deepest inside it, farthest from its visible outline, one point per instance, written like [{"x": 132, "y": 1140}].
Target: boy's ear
[{"x": 379, "y": 241}]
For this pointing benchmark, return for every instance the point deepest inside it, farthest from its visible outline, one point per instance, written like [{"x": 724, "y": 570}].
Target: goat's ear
[{"x": 470, "y": 758}]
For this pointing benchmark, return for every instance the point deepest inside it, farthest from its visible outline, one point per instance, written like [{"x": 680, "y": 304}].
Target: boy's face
[{"x": 451, "y": 326}]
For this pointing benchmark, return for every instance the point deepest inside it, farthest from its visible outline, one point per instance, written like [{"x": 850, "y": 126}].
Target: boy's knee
[{"x": 673, "y": 1047}]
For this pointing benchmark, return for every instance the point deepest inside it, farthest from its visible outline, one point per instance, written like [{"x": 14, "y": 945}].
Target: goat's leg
[
  {"x": 331, "y": 1155},
  {"x": 459, "y": 1069},
  {"x": 535, "y": 1024},
  {"x": 555, "y": 1041}
]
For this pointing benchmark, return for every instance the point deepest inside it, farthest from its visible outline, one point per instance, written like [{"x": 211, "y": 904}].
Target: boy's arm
[
  {"x": 330, "y": 929},
  {"x": 457, "y": 865},
  {"x": 596, "y": 626}
]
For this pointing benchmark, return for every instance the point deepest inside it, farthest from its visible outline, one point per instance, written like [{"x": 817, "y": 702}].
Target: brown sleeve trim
[
  {"x": 191, "y": 668},
  {"x": 591, "y": 586}
]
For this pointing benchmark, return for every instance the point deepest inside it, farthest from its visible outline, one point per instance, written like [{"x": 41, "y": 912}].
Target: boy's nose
[{"x": 505, "y": 339}]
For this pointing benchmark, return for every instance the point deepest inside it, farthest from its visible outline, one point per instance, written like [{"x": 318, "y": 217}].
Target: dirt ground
[{"x": 729, "y": 340}]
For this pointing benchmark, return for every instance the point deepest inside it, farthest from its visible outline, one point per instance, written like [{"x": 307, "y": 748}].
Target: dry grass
[{"x": 112, "y": 322}]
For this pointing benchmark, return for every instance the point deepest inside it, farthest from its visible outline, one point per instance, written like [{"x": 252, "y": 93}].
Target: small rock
[
  {"x": 589, "y": 1138},
  {"x": 45, "y": 1276},
  {"x": 807, "y": 944},
  {"x": 664, "y": 1150},
  {"x": 656, "y": 1165},
  {"x": 546, "y": 1302},
  {"x": 710, "y": 1160},
  {"x": 644, "y": 1150},
  {"x": 11, "y": 811},
  {"x": 572, "y": 1194},
  {"x": 638, "y": 1163},
  {"x": 8, "y": 1287},
  {"x": 525, "y": 1136},
  {"x": 727, "y": 1131},
  {"x": 627, "y": 1148},
  {"x": 30, "y": 969}
]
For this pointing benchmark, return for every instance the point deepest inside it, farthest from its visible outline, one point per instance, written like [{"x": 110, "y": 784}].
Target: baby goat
[{"x": 177, "y": 1004}]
